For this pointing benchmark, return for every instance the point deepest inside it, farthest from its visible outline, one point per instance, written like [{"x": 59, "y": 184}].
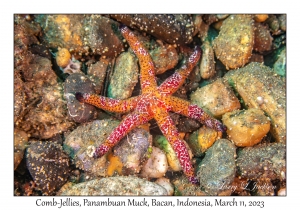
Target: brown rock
[
  {"x": 207, "y": 64},
  {"x": 262, "y": 161},
  {"x": 20, "y": 144},
  {"x": 97, "y": 72},
  {"x": 262, "y": 38},
  {"x": 202, "y": 139},
  {"x": 260, "y": 88},
  {"x": 164, "y": 58},
  {"x": 48, "y": 166},
  {"x": 216, "y": 98},
  {"x": 260, "y": 17},
  {"x": 173, "y": 29},
  {"x": 233, "y": 46},
  {"x": 185, "y": 188},
  {"x": 45, "y": 114},
  {"x": 101, "y": 35},
  {"x": 79, "y": 112},
  {"x": 246, "y": 127}
]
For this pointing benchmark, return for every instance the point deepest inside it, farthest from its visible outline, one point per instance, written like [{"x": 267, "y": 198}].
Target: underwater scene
[{"x": 149, "y": 105}]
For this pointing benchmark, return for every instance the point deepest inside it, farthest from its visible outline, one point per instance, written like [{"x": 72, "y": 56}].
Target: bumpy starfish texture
[{"x": 154, "y": 102}]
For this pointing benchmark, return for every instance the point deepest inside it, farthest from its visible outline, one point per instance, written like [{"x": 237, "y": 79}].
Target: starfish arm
[
  {"x": 193, "y": 111},
  {"x": 127, "y": 124},
  {"x": 147, "y": 73},
  {"x": 172, "y": 83},
  {"x": 169, "y": 130},
  {"x": 108, "y": 104}
]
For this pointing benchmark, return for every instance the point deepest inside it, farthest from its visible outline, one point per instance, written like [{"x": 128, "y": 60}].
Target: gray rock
[
  {"x": 121, "y": 185},
  {"x": 132, "y": 149},
  {"x": 79, "y": 112},
  {"x": 100, "y": 34},
  {"x": 262, "y": 161},
  {"x": 81, "y": 143},
  {"x": 217, "y": 169},
  {"x": 125, "y": 76}
]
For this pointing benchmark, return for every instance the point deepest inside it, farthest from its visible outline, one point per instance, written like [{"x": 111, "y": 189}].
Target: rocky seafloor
[{"x": 240, "y": 80}]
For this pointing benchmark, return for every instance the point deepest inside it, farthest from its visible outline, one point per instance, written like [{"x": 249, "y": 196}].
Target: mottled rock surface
[
  {"x": 81, "y": 143},
  {"x": 216, "y": 98},
  {"x": 164, "y": 58},
  {"x": 262, "y": 161},
  {"x": 45, "y": 113},
  {"x": 235, "y": 42},
  {"x": 202, "y": 139},
  {"x": 207, "y": 64},
  {"x": 183, "y": 187},
  {"x": 246, "y": 127},
  {"x": 262, "y": 38},
  {"x": 48, "y": 166},
  {"x": 80, "y": 33},
  {"x": 132, "y": 149},
  {"x": 173, "y": 29},
  {"x": 79, "y": 112},
  {"x": 218, "y": 167},
  {"x": 260, "y": 88},
  {"x": 116, "y": 186},
  {"x": 125, "y": 76},
  {"x": 20, "y": 143}
]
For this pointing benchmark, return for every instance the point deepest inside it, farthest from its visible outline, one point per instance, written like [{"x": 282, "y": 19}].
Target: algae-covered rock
[
  {"x": 125, "y": 76},
  {"x": 216, "y": 98},
  {"x": 280, "y": 64},
  {"x": 207, "y": 64},
  {"x": 246, "y": 127},
  {"x": 262, "y": 161},
  {"x": 218, "y": 167},
  {"x": 260, "y": 88},
  {"x": 233, "y": 47},
  {"x": 63, "y": 31},
  {"x": 164, "y": 57},
  {"x": 81, "y": 33},
  {"x": 82, "y": 141},
  {"x": 183, "y": 187},
  {"x": 202, "y": 139}
]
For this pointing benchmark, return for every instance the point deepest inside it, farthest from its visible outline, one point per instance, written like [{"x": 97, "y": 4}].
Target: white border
[{"x": 8, "y": 8}]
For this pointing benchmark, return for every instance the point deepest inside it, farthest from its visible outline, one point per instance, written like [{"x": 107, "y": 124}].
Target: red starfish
[{"x": 154, "y": 102}]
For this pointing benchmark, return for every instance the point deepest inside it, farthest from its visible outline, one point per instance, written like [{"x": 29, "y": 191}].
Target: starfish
[{"x": 154, "y": 102}]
